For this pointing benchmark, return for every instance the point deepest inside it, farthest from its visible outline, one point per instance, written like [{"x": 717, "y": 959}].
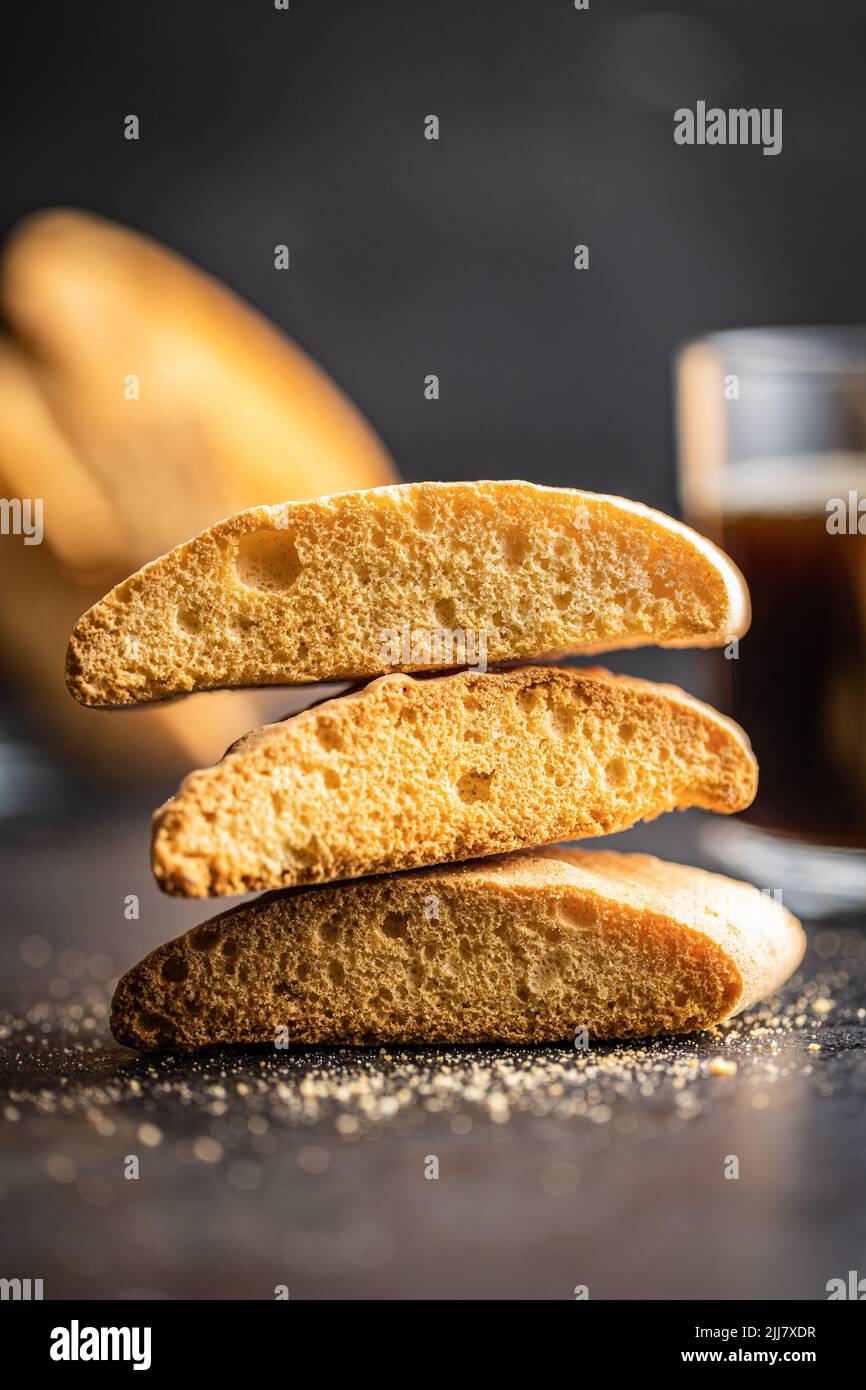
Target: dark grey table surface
[{"x": 312, "y": 1170}]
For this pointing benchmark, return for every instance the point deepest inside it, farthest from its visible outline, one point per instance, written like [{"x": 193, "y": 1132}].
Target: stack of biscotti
[{"x": 400, "y": 823}]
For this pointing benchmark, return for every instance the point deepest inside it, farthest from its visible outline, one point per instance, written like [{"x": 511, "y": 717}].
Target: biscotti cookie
[
  {"x": 425, "y": 576},
  {"x": 156, "y": 740},
  {"x": 527, "y": 948},
  {"x": 229, "y": 414},
  {"x": 183, "y": 403},
  {"x": 409, "y": 772}
]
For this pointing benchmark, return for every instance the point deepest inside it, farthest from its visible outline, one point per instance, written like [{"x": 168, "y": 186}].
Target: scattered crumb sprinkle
[{"x": 241, "y": 1105}]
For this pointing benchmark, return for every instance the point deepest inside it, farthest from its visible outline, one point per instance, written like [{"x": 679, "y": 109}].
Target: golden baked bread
[
  {"x": 227, "y": 412},
  {"x": 525, "y": 948},
  {"x": 423, "y": 576},
  {"x": 40, "y": 598},
  {"x": 414, "y": 771},
  {"x": 38, "y": 460}
]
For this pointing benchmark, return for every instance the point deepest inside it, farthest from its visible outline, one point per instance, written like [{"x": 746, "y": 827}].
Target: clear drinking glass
[{"x": 772, "y": 444}]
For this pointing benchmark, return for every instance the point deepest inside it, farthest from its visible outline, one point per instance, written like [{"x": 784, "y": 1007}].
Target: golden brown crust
[
  {"x": 410, "y": 772},
  {"x": 523, "y": 948},
  {"x": 416, "y": 577}
]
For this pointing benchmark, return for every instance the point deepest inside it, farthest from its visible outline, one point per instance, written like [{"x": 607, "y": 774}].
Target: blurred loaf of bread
[{"x": 142, "y": 401}]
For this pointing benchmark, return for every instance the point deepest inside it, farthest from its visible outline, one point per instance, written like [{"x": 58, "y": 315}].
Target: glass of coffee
[{"x": 772, "y": 442}]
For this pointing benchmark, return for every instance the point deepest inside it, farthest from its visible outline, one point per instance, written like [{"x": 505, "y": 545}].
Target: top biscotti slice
[
  {"x": 528, "y": 948},
  {"x": 423, "y": 576},
  {"x": 413, "y": 771}
]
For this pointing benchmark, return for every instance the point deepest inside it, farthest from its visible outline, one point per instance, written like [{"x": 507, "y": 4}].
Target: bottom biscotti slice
[{"x": 523, "y": 948}]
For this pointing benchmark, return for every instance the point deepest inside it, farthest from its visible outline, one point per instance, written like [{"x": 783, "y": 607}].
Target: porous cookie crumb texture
[
  {"x": 359, "y": 584},
  {"x": 411, "y": 772},
  {"x": 522, "y": 948}
]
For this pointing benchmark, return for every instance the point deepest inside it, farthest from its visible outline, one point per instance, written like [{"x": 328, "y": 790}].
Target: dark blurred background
[{"x": 454, "y": 257}]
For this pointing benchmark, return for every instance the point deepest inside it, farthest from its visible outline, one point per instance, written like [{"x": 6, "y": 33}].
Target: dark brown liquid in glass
[{"x": 799, "y": 685}]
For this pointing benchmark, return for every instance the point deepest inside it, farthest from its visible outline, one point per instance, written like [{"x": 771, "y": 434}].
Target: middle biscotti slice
[{"x": 410, "y": 772}]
